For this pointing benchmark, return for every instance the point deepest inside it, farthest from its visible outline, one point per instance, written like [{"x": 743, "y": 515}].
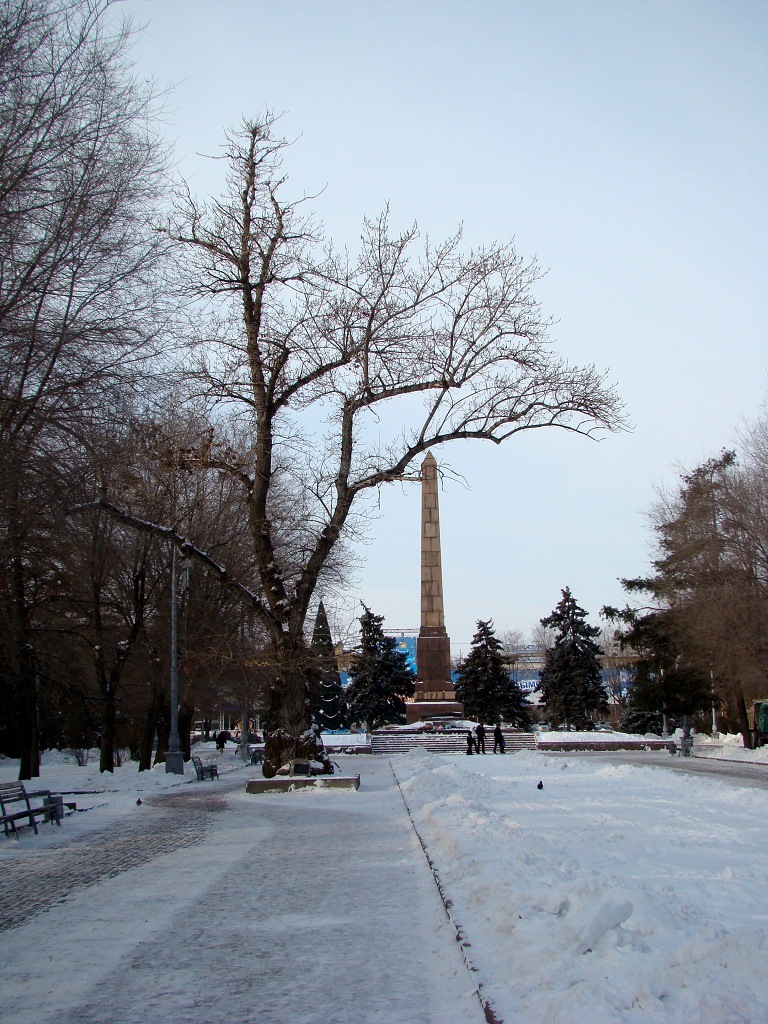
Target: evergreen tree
[
  {"x": 380, "y": 677},
  {"x": 485, "y": 686},
  {"x": 667, "y": 683},
  {"x": 707, "y": 592},
  {"x": 635, "y": 720},
  {"x": 571, "y": 685},
  {"x": 328, "y": 694}
]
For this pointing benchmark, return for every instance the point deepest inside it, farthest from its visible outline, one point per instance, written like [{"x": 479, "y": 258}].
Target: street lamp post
[
  {"x": 664, "y": 722},
  {"x": 714, "y": 709},
  {"x": 174, "y": 757}
]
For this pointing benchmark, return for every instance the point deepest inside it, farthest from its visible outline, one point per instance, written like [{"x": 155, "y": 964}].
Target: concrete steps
[{"x": 445, "y": 742}]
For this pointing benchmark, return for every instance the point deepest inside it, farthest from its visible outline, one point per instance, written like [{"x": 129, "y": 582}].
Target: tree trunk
[
  {"x": 29, "y": 765},
  {"x": 741, "y": 707},
  {"x": 148, "y": 733},
  {"x": 26, "y": 665},
  {"x": 186, "y": 714},
  {"x": 289, "y": 733},
  {"x": 107, "y": 749},
  {"x": 163, "y": 728},
  {"x": 288, "y": 718}
]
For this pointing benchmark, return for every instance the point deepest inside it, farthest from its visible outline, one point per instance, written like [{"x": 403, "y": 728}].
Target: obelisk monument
[{"x": 434, "y": 691}]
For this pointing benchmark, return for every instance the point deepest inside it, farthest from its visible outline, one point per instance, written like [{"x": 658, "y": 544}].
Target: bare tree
[
  {"x": 542, "y": 636},
  {"x": 512, "y": 642},
  {"x": 324, "y": 353},
  {"x": 80, "y": 169}
]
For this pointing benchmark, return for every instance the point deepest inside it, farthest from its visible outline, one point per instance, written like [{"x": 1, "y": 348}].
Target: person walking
[
  {"x": 470, "y": 742},
  {"x": 498, "y": 739},
  {"x": 480, "y": 732}
]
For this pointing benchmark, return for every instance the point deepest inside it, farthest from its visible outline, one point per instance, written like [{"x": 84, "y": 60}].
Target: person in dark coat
[
  {"x": 480, "y": 731},
  {"x": 498, "y": 739},
  {"x": 470, "y": 742}
]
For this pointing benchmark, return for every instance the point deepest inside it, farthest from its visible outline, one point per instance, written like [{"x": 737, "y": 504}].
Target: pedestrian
[
  {"x": 470, "y": 742},
  {"x": 480, "y": 731},
  {"x": 221, "y": 740},
  {"x": 498, "y": 739}
]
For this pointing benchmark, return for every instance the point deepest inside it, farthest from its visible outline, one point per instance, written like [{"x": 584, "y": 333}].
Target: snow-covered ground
[
  {"x": 613, "y": 893},
  {"x": 545, "y": 739},
  {"x": 727, "y": 747}
]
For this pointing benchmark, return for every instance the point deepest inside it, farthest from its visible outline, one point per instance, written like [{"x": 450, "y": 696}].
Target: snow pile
[
  {"x": 593, "y": 738},
  {"x": 613, "y": 893},
  {"x": 60, "y": 772},
  {"x": 728, "y": 747},
  {"x": 111, "y": 794}
]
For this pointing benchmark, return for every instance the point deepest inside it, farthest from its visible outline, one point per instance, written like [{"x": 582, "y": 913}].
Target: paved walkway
[
  {"x": 209, "y": 905},
  {"x": 43, "y": 879}
]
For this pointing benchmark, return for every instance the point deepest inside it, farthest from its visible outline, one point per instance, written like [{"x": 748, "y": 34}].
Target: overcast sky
[{"x": 623, "y": 143}]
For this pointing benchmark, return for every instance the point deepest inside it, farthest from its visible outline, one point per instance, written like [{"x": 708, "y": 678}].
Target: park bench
[
  {"x": 13, "y": 794},
  {"x": 204, "y": 771},
  {"x": 682, "y": 746}
]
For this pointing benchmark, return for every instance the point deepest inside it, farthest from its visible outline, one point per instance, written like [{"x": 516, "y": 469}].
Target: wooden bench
[
  {"x": 13, "y": 794},
  {"x": 204, "y": 771}
]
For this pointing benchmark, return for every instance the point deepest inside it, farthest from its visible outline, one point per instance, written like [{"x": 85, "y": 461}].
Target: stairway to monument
[{"x": 452, "y": 742}]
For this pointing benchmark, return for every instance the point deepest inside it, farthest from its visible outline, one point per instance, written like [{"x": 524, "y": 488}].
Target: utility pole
[{"x": 174, "y": 757}]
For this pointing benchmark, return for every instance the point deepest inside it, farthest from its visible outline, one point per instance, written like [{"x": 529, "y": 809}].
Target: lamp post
[
  {"x": 664, "y": 722},
  {"x": 245, "y": 725},
  {"x": 174, "y": 757},
  {"x": 714, "y": 709}
]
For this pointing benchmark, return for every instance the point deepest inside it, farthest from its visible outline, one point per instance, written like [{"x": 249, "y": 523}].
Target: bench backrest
[{"x": 12, "y": 791}]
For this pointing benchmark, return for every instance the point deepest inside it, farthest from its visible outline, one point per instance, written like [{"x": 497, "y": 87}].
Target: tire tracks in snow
[{"x": 465, "y": 945}]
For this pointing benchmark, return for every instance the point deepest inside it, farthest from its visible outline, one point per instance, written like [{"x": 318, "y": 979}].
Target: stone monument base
[{"x": 418, "y": 710}]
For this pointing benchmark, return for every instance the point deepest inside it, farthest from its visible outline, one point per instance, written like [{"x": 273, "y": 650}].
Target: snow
[
  {"x": 346, "y": 739},
  {"x": 615, "y": 893},
  {"x": 544, "y": 739},
  {"x": 728, "y": 747}
]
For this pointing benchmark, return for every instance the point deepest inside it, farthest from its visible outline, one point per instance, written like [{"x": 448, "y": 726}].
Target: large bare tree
[{"x": 346, "y": 367}]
